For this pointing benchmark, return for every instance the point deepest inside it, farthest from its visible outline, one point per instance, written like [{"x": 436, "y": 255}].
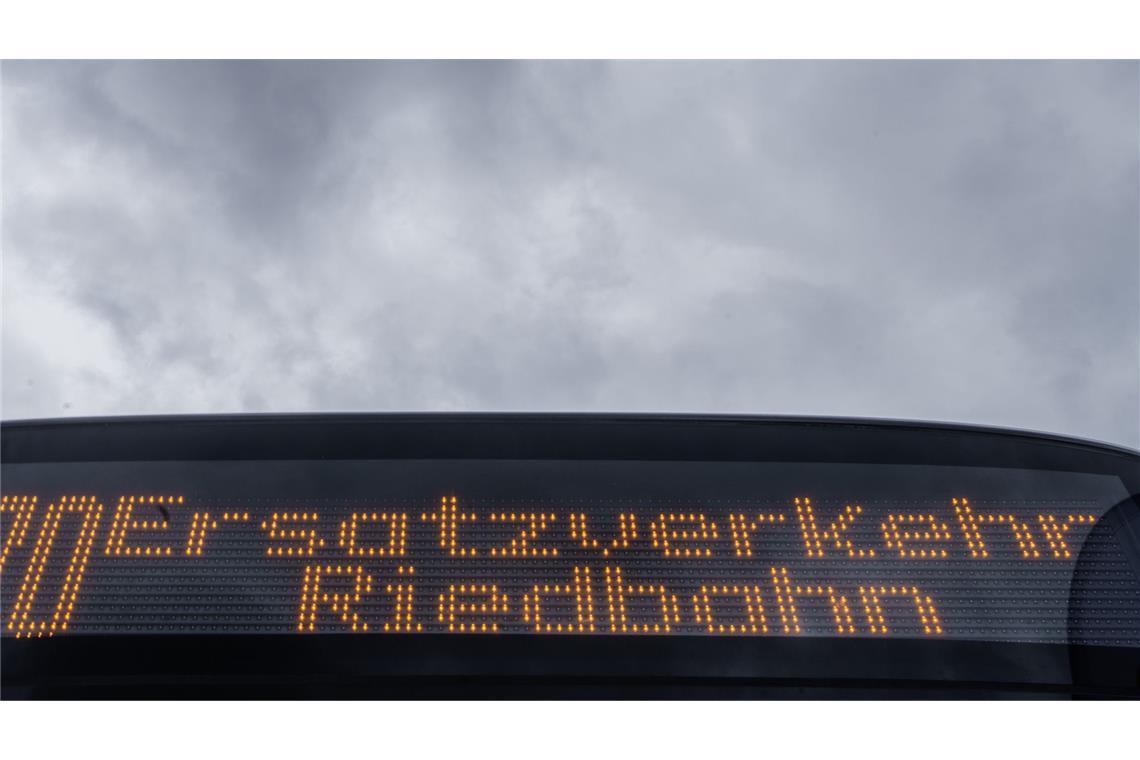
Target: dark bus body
[{"x": 793, "y": 523}]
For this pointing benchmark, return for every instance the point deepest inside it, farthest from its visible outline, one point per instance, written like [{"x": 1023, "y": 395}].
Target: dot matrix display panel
[{"x": 549, "y": 548}]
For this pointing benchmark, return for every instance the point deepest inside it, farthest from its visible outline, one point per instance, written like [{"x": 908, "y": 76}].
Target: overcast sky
[{"x": 948, "y": 241}]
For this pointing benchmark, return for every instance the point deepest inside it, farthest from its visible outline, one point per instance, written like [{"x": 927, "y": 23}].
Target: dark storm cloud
[{"x": 939, "y": 240}]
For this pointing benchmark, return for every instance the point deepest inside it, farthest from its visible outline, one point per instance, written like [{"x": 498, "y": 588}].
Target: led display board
[
  {"x": 559, "y": 548},
  {"x": 361, "y": 550}
]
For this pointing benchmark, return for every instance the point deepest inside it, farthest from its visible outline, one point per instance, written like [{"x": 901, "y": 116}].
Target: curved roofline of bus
[{"x": 579, "y": 417}]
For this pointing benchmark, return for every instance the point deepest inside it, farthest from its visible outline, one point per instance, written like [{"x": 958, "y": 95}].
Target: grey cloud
[{"x": 952, "y": 241}]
